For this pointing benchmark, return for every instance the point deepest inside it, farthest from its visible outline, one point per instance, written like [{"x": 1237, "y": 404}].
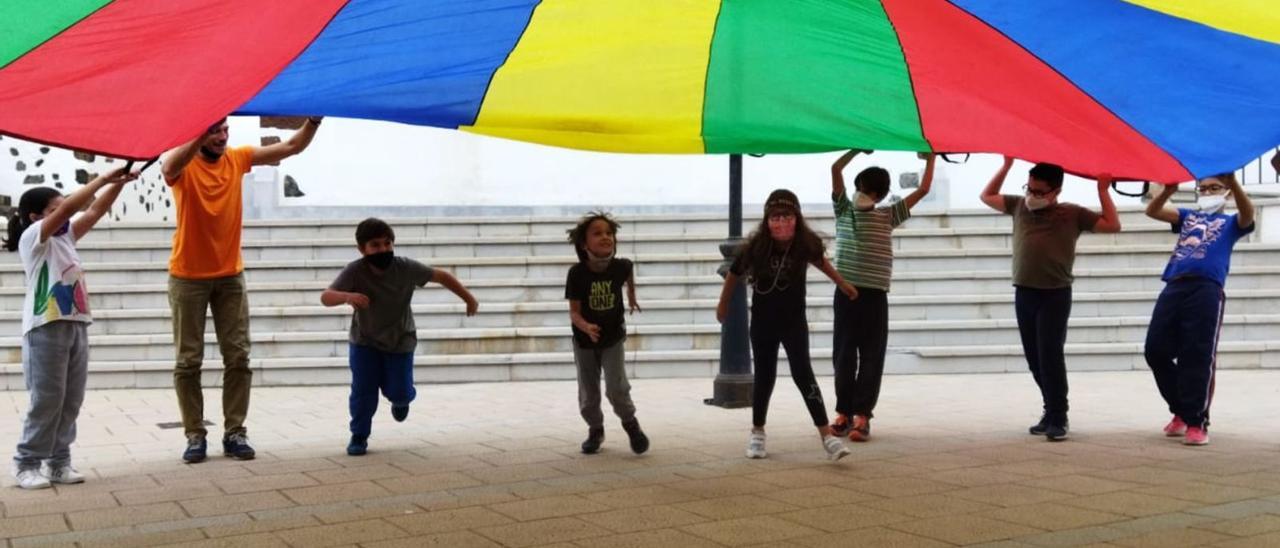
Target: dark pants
[
  {"x": 1042, "y": 322},
  {"x": 1182, "y": 346},
  {"x": 861, "y": 333},
  {"x": 371, "y": 370},
  {"x": 792, "y": 333}
]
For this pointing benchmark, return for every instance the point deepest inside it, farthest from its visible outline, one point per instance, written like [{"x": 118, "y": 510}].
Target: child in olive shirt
[
  {"x": 379, "y": 287},
  {"x": 594, "y": 291},
  {"x": 1044, "y": 250}
]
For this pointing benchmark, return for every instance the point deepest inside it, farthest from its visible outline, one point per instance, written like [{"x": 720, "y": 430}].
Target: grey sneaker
[
  {"x": 31, "y": 478},
  {"x": 755, "y": 445},
  {"x": 62, "y": 473},
  {"x": 835, "y": 448}
]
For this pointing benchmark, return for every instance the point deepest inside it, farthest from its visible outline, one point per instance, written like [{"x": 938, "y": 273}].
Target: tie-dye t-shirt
[{"x": 55, "y": 281}]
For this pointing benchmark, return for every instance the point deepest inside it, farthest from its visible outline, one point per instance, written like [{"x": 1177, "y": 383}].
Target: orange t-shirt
[{"x": 210, "y": 214}]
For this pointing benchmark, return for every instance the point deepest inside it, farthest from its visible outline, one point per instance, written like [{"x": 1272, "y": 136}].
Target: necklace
[{"x": 777, "y": 267}]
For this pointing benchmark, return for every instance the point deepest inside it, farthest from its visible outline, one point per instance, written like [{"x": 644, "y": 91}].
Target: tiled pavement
[{"x": 497, "y": 465}]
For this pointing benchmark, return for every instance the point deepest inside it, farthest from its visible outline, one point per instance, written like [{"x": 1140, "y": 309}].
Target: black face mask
[{"x": 381, "y": 260}]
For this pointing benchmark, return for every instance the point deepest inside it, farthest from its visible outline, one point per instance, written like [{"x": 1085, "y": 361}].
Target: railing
[{"x": 1262, "y": 171}]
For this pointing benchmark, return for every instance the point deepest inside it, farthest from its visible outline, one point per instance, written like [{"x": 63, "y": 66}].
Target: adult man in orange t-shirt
[{"x": 206, "y": 271}]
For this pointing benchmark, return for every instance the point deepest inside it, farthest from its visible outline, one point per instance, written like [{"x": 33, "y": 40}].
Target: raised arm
[
  {"x": 101, "y": 204},
  {"x": 1156, "y": 207},
  {"x": 77, "y": 200},
  {"x": 1110, "y": 221},
  {"x": 926, "y": 183},
  {"x": 452, "y": 284},
  {"x": 176, "y": 159},
  {"x": 991, "y": 193},
  {"x": 1244, "y": 206},
  {"x": 837, "y": 172},
  {"x": 272, "y": 154}
]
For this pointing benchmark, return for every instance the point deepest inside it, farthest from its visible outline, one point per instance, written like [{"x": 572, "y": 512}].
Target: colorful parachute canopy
[{"x": 1162, "y": 90}]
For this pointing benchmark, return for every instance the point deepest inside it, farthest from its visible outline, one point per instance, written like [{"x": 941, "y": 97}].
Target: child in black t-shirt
[
  {"x": 594, "y": 291},
  {"x": 774, "y": 260}
]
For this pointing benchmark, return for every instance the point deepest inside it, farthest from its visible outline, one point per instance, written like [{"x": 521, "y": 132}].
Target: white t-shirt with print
[{"x": 55, "y": 280}]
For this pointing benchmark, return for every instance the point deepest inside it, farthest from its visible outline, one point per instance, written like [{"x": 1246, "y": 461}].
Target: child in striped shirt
[{"x": 864, "y": 257}]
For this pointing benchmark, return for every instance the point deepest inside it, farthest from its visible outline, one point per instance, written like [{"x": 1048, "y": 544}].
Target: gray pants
[
  {"x": 55, "y": 362},
  {"x": 591, "y": 362}
]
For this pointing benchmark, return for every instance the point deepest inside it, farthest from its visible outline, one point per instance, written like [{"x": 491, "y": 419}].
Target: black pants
[
  {"x": 1182, "y": 346},
  {"x": 861, "y": 333},
  {"x": 1042, "y": 322},
  {"x": 792, "y": 332}
]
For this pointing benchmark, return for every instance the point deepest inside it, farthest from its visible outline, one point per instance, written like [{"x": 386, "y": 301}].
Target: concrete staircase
[{"x": 951, "y": 304}]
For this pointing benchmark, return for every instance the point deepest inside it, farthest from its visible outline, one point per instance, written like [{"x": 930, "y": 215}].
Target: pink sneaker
[
  {"x": 1175, "y": 428},
  {"x": 1196, "y": 436}
]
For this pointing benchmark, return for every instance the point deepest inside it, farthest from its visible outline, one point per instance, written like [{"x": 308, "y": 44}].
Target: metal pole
[{"x": 734, "y": 382}]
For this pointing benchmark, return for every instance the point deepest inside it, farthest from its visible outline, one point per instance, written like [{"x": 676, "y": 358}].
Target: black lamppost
[{"x": 733, "y": 383}]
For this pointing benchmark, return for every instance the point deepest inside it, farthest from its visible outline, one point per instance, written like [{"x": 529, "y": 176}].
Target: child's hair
[
  {"x": 873, "y": 181},
  {"x": 371, "y": 228},
  {"x": 1226, "y": 178},
  {"x": 1051, "y": 174},
  {"x": 578, "y": 234},
  {"x": 33, "y": 201},
  {"x": 806, "y": 246}
]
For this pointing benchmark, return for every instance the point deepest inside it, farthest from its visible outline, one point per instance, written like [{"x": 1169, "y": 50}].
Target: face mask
[
  {"x": 1212, "y": 204},
  {"x": 381, "y": 260},
  {"x": 1034, "y": 203},
  {"x": 862, "y": 201},
  {"x": 598, "y": 263}
]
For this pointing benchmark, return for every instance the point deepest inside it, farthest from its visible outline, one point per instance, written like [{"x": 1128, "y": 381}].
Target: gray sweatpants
[
  {"x": 591, "y": 363},
  {"x": 55, "y": 362}
]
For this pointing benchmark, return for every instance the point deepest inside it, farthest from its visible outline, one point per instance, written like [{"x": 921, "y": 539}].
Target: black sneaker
[
  {"x": 197, "y": 449},
  {"x": 358, "y": 445},
  {"x": 236, "y": 446},
  {"x": 1056, "y": 432},
  {"x": 1039, "y": 428},
  {"x": 400, "y": 412},
  {"x": 595, "y": 437},
  {"x": 639, "y": 441}
]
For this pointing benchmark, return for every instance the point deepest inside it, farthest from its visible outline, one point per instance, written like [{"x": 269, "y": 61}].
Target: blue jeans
[{"x": 373, "y": 370}]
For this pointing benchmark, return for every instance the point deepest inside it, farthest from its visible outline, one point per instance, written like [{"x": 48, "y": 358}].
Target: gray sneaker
[
  {"x": 31, "y": 478},
  {"x": 62, "y": 473},
  {"x": 755, "y": 445}
]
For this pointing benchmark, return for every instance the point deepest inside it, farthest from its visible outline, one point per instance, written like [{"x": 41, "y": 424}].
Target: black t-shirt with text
[{"x": 601, "y": 296}]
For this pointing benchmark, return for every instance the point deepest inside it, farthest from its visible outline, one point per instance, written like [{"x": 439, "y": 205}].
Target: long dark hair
[
  {"x": 33, "y": 201},
  {"x": 806, "y": 247},
  {"x": 578, "y": 234}
]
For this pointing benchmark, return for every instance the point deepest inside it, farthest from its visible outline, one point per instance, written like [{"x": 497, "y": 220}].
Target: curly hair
[{"x": 578, "y": 234}]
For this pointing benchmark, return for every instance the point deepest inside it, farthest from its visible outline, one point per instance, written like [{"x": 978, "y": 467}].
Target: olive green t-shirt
[{"x": 1044, "y": 242}]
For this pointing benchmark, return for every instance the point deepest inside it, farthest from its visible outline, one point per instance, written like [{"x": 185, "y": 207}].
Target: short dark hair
[
  {"x": 372, "y": 228},
  {"x": 874, "y": 181},
  {"x": 1051, "y": 174},
  {"x": 578, "y": 234}
]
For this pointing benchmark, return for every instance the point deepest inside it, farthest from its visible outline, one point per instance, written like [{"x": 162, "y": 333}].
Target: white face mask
[
  {"x": 1212, "y": 204},
  {"x": 862, "y": 201},
  {"x": 1034, "y": 203}
]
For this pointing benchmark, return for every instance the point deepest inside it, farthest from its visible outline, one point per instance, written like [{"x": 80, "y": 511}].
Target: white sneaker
[
  {"x": 64, "y": 474},
  {"x": 755, "y": 445},
  {"x": 31, "y": 478},
  {"x": 835, "y": 448}
]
